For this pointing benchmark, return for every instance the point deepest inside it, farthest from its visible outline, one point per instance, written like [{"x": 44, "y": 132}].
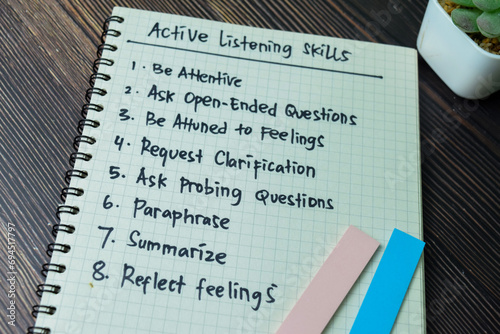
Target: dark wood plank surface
[{"x": 47, "y": 49}]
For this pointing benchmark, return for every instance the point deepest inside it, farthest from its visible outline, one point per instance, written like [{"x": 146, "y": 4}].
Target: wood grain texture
[{"x": 47, "y": 49}]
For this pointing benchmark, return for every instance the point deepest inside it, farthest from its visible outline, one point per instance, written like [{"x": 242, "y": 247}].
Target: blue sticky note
[{"x": 389, "y": 284}]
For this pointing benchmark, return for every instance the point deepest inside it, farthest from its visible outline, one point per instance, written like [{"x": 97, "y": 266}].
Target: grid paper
[{"x": 369, "y": 171}]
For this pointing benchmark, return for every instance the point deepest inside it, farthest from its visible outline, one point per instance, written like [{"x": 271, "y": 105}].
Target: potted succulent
[{"x": 467, "y": 69}]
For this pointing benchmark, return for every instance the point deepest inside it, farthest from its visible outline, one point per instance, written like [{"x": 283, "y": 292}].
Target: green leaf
[
  {"x": 465, "y": 19},
  {"x": 489, "y": 24},
  {"x": 487, "y": 5},
  {"x": 466, "y": 3}
]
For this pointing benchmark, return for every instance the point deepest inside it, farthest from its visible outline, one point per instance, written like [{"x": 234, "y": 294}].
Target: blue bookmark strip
[{"x": 388, "y": 287}]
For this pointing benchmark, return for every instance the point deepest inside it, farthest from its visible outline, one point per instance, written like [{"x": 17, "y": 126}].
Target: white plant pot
[{"x": 467, "y": 70}]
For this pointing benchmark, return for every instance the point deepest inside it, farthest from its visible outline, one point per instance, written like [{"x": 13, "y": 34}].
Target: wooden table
[{"x": 47, "y": 49}]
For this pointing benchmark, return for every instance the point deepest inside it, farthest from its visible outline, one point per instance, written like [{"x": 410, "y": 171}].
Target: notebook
[{"x": 217, "y": 168}]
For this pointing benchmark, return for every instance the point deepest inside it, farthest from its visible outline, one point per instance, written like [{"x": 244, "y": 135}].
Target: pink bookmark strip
[{"x": 331, "y": 284}]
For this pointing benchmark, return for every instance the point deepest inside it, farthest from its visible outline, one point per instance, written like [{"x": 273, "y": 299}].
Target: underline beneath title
[{"x": 256, "y": 60}]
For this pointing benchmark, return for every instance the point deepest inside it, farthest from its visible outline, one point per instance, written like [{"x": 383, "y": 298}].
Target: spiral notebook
[{"x": 217, "y": 168}]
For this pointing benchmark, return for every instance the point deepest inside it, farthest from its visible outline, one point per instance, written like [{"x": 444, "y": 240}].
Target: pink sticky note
[{"x": 331, "y": 284}]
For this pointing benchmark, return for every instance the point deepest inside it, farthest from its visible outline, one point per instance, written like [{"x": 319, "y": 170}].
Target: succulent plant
[{"x": 481, "y": 16}]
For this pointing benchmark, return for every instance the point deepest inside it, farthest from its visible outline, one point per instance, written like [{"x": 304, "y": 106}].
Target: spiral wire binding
[
  {"x": 82, "y": 174},
  {"x": 75, "y": 173},
  {"x": 58, "y": 268}
]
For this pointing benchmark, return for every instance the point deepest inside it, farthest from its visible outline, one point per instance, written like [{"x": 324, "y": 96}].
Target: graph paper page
[{"x": 227, "y": 164}]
